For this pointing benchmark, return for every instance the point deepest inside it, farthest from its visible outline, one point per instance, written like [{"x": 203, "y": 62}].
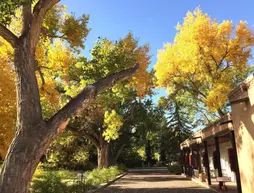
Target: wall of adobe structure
[{"x": 243, "y": 121}]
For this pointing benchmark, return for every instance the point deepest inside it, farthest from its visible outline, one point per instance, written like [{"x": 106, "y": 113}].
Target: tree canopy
[{"x": 207, "y": 59}]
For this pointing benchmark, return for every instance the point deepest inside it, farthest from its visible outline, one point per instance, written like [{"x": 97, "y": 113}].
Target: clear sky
[{"x": 153, "y": 21}]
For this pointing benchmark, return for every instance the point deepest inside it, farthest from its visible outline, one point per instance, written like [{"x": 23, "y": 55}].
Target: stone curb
[{"x": 104, "y": 185}]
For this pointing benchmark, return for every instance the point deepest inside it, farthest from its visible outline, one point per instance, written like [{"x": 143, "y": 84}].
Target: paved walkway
[{"x": 154, "y": 181}]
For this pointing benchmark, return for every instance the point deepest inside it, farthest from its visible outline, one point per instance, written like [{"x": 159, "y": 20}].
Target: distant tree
[
  {"x": 69, "y": 151},
  {"x": 177, "y": 127},
  {"x": 108, "y": 116}
]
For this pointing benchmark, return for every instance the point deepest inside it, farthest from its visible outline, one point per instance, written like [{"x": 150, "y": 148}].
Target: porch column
[
  {"x": 237, "y": 172},
  {"x": 185, "y": 163},
  {"x": 199, "y": 160},
  {"x": 183, "y": 156},
  {"x": 192, "y": 160},
  {"x": 207, "y": 167},
  {"x": 188, "y": 163},
  {"x": 217, "y": 145}
]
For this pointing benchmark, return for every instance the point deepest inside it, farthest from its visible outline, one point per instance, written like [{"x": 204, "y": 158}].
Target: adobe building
[{"x": 225, "y": 148}]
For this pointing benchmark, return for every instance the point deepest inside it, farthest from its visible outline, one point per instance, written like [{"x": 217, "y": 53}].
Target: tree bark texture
[
  {"x": 103, "y": 155},
  {"x": 148, "y": 153},
  {"x": 31, "y": 131}
]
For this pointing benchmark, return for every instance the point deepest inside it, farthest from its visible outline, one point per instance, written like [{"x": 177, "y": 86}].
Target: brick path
[{"x": 154, "y": 181}]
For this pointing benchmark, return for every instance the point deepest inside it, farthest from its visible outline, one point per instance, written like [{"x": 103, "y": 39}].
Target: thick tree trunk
[
  {"x": 31, "y": 138},
  {"x": 21, "y": 162},
  {"x": 103, "y": 155},
  {"x": 148, "y": 153}
]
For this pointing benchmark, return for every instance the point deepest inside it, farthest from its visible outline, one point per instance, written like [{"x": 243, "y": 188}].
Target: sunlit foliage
[
  {"x": 206, "y": 59},
  {"x": 112, "y": 123},
  {"x": 7, "y": 97}
]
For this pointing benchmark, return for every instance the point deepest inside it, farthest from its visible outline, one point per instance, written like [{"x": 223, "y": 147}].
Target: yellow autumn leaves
[
  {"x": 7, "y": 94},
  {"x": 112, "y": 123},
  {"x": 205, "y": 58}
]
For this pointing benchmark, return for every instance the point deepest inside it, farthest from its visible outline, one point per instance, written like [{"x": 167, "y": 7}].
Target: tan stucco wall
[{"x": 243, "y": 121}]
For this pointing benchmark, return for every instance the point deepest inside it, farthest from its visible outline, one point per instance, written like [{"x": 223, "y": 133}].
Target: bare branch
[
  {"x": 82, "y": 100},
  {"x": 42, "y": 77},
  {"x": 8, "y": 35}
]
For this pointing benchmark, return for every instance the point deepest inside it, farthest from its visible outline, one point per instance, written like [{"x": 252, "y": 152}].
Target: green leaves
[
  {"x": 8, "y": 8},
  {"x": 112, "y": 123},
  {"x": 75, "y": 30}
]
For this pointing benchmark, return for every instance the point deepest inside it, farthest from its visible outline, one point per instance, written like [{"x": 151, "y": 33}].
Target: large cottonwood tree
[
  {"x": 206, "y": 60},
  {"x": 101, "y": 122},
  {"x": 33, "y": 133}
]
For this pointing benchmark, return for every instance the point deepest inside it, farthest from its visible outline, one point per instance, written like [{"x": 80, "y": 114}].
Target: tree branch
[
  {"x": 221, "y": 113},
  {"x": 82, "y": 100},
  {"x": 8, "y": 35},
  {"x": 87, "y": 135},
  {"x": 27, "y": 15},
  {"x": 39, "y": 12},
  {"x": 119, "y": 151},
  {"x": 131, "y": 115}
]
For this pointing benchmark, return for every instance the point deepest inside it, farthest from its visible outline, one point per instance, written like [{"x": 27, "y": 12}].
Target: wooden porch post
[
  {"x": 217, "y": 145},
  {"x": 182, "y": 153},
  {"x": 199, "y": 160},
  {"x": 188, "y": 163},
  {"x": 237, "y": 172},
  {"x": 192, "y": 160},
  {"x": 207, "y": 166},
  {"x": 185, "y": 164}
]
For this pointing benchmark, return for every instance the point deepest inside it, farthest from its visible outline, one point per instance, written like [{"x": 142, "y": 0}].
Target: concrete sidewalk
[{"x": 154, "y": 180}]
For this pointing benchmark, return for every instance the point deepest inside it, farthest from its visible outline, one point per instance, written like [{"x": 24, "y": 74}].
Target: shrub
[
  {"x": 64, "y": 181},
  {"x": 78, "y": 187},
  {"x": 175, "y": 169},
  {"x": 48, "y": 183},
  {"x": 99, "y": 176},
  {"x": 159, "y": 164}
]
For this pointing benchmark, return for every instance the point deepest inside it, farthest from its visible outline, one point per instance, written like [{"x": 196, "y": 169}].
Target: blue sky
[{"x": 152, "y": 21}]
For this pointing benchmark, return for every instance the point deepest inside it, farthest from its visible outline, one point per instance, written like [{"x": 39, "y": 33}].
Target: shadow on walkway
[
  {"x": 119, "y": 189},
  {"x": 154, "y": 180}
]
